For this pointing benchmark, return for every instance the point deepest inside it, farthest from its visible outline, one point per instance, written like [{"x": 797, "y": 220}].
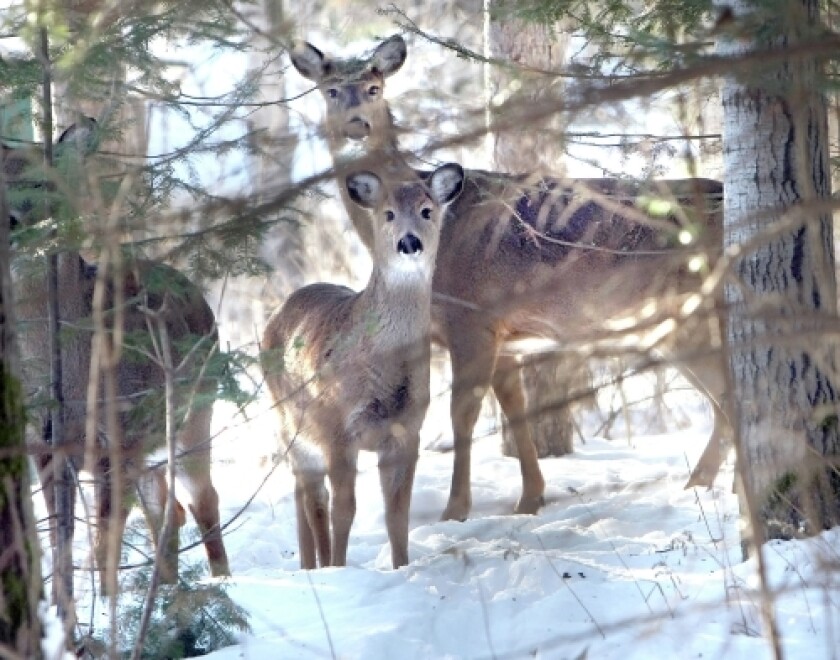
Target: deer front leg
[
  {"x": 312, "y": 503},
  {"x": 396, "y": 475},
  {"x": 153, "y": 492},
  {"x": 194, "y": 469},
  {"x": 473, "y": 357},
  {"x": 510, "y": 392},
  {"x": 342, "y": 474}
]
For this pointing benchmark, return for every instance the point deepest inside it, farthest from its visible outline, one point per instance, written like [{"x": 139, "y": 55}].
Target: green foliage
[
  {"x": 782, "y": 507},
  {"x": 227, "y": 367},
  {"x": 19, "y": 565},
  {"x": 90, "y": 57},
  {"x": 623, "y": 36},
  {"x": 189, "y": 619}
]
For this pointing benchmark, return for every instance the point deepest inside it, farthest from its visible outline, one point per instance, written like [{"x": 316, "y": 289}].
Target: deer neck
[
  {"x": 376, "y": 154},
  {"x": 397, "y": 307}
]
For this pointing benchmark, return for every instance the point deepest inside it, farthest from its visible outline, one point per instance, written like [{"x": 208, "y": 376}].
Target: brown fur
[
  {"x": 139, "y": 383},
  {"x": 528, "y": 255},
  {"x": 350, "y": 371}
]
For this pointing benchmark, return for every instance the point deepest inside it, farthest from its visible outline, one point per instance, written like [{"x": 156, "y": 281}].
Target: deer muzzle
[
  {"x": 356, "y": 128},
  {"x": 409, "y": 244}
]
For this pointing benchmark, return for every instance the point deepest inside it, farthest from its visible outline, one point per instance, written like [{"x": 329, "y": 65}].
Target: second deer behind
[{"x": 350, "y": 371}]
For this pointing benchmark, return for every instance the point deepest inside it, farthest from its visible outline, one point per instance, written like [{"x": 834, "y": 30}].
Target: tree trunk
[
  {"x": 783, "y": 298},
  {"x": 247, "y": 300},
  {"x": 20, "y": 575},
  {"x": 548, "y": 380}
]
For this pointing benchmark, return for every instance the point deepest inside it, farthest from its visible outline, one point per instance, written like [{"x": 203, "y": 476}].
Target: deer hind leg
[
  {"x": 111, "y": 513},
  {"x": 194, "y": 471},
  {"x": 396, "y": 475},
  {"x": 473, "y": 356},
  {"x": 46, "y": 476},
  {"x": 711, "y": 459},
  {"x": 153, "y": 492},
  {"x": 708, "y": 375},
  {"x": 341, "y": 470},
  {"x": 510, "y": 392},
  {"x": 312, "y": 502}
]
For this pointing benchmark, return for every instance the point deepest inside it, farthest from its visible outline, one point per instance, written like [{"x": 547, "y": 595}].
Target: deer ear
[
  {"x": 80, "y": 136},
  {"x": 389, "y": 56},
  {"x": 308, "y": 60},
  {"x": 447, "y": 182},
  {"x": 364, "y": 188}
]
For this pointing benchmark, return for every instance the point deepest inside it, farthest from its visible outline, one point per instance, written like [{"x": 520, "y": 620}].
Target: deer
[
  {"x": 148, "y": 292},
  {"x": 350, "y": 371},
  {"x": 525, "y": 256}
]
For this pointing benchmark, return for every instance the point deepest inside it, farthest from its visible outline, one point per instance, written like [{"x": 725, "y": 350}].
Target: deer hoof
[
  {"x": 529, "y": 505},
  {"x": 456, "y": 511}
]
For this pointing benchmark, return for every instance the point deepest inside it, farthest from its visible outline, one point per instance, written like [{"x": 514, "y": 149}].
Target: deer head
[
  {"x": 353, "y": 89},
  {"x": 29, "y": 185},
  {"x": 406, "y": 218}
]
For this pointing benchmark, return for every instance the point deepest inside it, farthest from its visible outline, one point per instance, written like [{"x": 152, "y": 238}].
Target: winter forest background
[{"x": 210, "y": 156}]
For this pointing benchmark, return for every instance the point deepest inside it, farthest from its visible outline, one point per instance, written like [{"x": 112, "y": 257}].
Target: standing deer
[
  {"x": 146, "y": 287},
  {"x": 575, "y": 260},
  {"x": 350, "y": 371}
]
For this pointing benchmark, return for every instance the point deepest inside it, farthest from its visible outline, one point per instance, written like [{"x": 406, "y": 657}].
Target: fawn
[{"x": 350, "y": 371}]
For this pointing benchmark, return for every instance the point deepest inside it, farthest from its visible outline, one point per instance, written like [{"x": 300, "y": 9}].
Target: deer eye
[
  {"x": 426, "y": 213},
  {"x": 332, "y": 92},
  {"x": 389, "y": 216},
  {"x": 374, "y": 90}
]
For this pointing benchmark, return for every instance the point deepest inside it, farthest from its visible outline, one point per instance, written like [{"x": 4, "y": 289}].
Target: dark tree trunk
[
  {"x": 548, "y": 380},
  {"x": 20, "y": 575}
]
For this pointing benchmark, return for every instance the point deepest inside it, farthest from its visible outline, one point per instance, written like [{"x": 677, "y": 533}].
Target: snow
[{"x": 622, "y": 562}]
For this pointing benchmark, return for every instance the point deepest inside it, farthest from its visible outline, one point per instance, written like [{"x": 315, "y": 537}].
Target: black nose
[
  {"x": 357, "y": 128},
  {"x": 410, "y": 244}
]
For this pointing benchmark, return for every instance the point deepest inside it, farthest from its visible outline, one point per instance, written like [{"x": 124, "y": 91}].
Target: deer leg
[
  {"x": 153, "y": 492},
  {"x": 396, "y": 475},
  {"x": 47, "y": 479},
  {"x": 46, "y": 476},
  {"x": 711, "y": 459},
  {"x": 473, "y": 357},
  {"x": 708, "y": 375},
  {"x": 312, "y": 502},
  {"x": 194, "y": 470},
  {"x": 342, "y": 474},
  {"x": 510, "y": 392},
  {"x": 110, "y": 525}
]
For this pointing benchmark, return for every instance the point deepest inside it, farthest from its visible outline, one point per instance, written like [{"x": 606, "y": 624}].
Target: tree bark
[
  {"x": 548, "y": 380},
  {"x": 20, "y": 574},
  {"x": 783, "y": 298}
]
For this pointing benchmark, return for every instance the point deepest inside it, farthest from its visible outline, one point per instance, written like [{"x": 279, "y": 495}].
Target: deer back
[
  {"x": 142, "y": 285},
  {"x": 538, "y": 254}
]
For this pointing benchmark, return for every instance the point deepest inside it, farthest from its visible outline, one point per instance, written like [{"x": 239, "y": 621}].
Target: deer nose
[
  {"x": 357, "y": 128},
  {"x": 409, "y": 244}
]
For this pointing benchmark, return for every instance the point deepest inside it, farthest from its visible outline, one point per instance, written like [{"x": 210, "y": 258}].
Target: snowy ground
[{"x": 621, "y": 563}]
